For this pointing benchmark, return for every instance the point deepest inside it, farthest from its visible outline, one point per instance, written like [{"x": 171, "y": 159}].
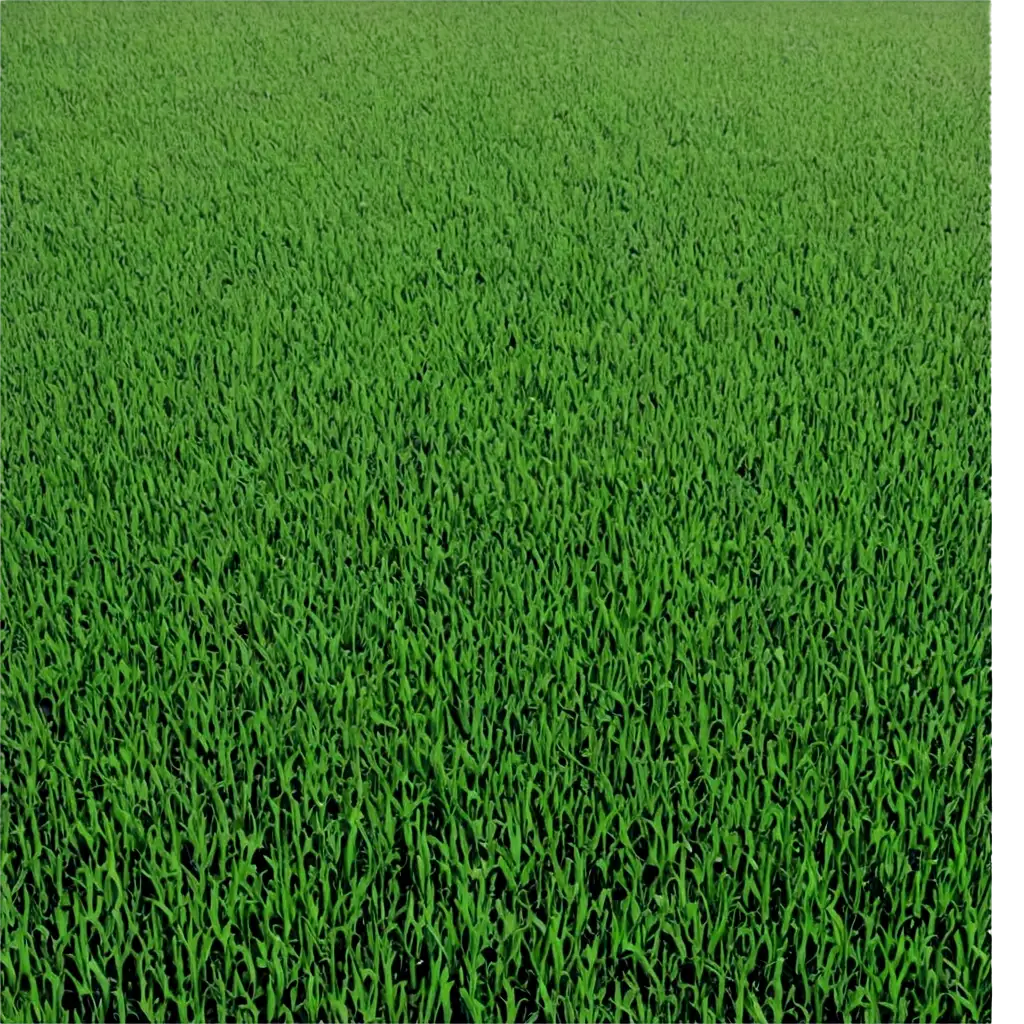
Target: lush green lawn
[{"x": 496, "y": 512}]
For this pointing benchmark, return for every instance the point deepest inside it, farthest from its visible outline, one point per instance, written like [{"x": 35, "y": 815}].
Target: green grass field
[{"x": 495, "y": 512}]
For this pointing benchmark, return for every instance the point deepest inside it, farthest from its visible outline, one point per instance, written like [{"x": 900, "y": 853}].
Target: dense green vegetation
[{"x": 496, "y": 512}]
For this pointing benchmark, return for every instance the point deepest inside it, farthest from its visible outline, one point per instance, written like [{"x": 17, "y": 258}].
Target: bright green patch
[{"x": 496, "y": 512}]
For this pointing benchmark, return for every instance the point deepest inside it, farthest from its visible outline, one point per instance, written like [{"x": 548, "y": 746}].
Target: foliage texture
[{"x": 496, "y": 512}]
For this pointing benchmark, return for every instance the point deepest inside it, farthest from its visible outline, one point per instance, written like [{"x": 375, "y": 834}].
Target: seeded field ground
[{"x": 496, "y": 512}]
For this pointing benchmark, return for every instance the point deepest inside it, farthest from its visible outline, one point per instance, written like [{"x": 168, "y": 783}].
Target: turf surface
[{"x": 496, "y": 512}]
